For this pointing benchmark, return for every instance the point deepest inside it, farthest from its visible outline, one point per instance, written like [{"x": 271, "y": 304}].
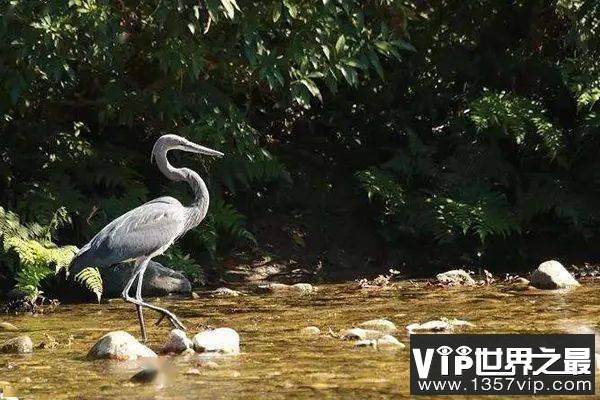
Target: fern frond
[{"x": 92, "y": 280}]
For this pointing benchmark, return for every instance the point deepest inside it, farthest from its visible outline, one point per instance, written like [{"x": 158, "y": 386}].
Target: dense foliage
[{"x": 380, "y": 132}]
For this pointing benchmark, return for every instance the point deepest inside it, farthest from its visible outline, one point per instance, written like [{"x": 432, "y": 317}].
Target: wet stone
[
  {"x": 119, "y": 345},
  {"x": 361, "y": 334},
  {"x": 455, "y": 277},
  {"x": 18, "y": 345},
  {"x": 219, "y": 340},
  {"x": 430, "y": 326},
  {"x": 177, "y": 342},
  {"x": 552, "y": 275}
]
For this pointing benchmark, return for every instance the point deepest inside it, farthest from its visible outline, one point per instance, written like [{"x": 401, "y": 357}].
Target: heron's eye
[
  {"x": 444, "y": 350},
  {"x": 464, "y": 350}
]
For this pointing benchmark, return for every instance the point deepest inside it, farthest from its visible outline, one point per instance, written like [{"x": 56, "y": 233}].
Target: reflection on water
[{"x": 277, "y": 361}]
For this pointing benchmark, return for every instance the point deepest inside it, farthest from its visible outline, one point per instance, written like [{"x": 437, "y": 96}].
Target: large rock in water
[
  {"x": 119, "y": 345},
  {"x": 158, "y": 280},
  {"x": 552, "y": 275},
  {"x": 219, "y": 340}
]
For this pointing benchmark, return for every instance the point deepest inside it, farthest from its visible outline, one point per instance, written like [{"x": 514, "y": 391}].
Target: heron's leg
[
  {"x": 138, "y": 301},
  {"x": 138, "y": 268},
  {"x": 138, "y": 295}
]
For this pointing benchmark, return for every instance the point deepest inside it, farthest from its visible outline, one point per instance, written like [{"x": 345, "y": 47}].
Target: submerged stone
[
  {"x": 552, "y": 275},
  {"x": 219, "y": 340},
  {"x": 7, "y": 326},
  {"x": 310, "y": 330},
  {"x": 225, "y": 292},
  {"x": 119, "y": 345},
  {"x": 147, "y": 375}
]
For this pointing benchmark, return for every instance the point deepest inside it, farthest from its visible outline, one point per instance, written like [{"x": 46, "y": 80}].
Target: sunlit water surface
[{"x": 277, "y": 361}]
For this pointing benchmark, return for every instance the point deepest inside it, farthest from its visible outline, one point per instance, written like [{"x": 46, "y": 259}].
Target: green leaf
[
  {"x": 291, "y": 7},
  {"x": 312, "y": 88},
  {"x": 192, "y": 28},
  {"x": 276, "y": 12},
  {"x": 374, "y": 59},
  {"x": 340, "y": 44},
  {"x": 404, "y": 45}
]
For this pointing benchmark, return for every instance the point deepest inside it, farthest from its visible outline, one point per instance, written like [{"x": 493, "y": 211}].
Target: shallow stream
[{"x": 277, "y": 361}]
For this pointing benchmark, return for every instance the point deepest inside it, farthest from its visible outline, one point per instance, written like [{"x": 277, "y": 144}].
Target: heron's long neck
[{"x": 199, "y": 207}]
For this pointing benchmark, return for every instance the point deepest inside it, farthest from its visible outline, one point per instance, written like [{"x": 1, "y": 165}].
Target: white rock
[
  {"x": 552, "y": 275},
  {"x": 119, "y": 345},
  {"x": 177, "y": 342},
  {"x": 430, "y": 326},
  {"x": 455, "y": 277},
  {"x": 361, "y": 334},
  {"x": 220, "y": 340},
  {"x": 382, "y": 325}
]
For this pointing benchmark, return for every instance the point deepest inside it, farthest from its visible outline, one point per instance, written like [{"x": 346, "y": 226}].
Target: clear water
[{"x": 277, "y": 362}]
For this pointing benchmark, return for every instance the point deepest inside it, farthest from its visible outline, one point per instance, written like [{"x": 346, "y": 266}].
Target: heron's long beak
[{"x": 196, "y": 148}]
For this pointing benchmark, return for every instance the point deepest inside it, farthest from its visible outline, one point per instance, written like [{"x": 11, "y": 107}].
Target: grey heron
[{"x": 148, "y": 230}]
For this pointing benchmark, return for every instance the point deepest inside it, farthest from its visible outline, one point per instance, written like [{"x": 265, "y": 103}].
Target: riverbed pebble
[
  {"x": 119, "y": 345},
  {"x": 7, "y": 326},
  {"x": 17, "y": 345},
  {"x": 177, "y": 342},
  {"x": 552, "y": 275},
  {"x": 455, "y": 277},
  {"x": 310, "y": 330},
  {"x": 219, "y": 340},
  {"x": 225, "y": 292},
  {"x": 380, "y": 324}
]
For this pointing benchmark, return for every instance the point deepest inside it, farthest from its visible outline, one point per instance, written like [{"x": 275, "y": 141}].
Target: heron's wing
[{"x": 143, "y": 231}]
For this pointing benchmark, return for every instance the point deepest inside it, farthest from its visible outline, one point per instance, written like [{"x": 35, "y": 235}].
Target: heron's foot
[
  {"x": 173, "y": 319},
  {"x": 164, "y": 312}
]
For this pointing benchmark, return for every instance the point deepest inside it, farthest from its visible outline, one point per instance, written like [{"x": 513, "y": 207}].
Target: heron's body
[
  {"x": 146, "y": 230},
  {"x": 150, "y": 229}
]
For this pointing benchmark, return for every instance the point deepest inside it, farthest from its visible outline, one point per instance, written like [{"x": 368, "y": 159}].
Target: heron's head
[{"x": 175, "y": 142}]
